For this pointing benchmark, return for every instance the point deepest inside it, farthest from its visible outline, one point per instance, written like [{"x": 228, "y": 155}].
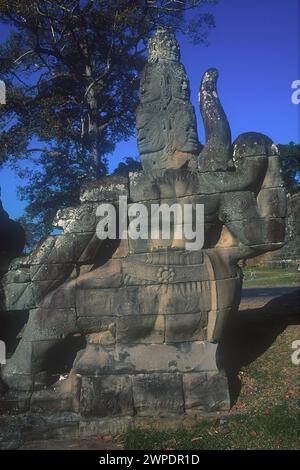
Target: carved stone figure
[
  {"x": 166, "y": 122},
  {"x": 151, "y": 311}
]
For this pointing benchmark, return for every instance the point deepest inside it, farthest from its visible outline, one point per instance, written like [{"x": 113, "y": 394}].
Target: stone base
[
  {"x": 15, "y": 431},
  {"x": 109, "y": 389}
]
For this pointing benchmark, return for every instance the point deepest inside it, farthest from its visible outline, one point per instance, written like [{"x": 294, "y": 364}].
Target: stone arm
[{"x": 256, "y": 221}]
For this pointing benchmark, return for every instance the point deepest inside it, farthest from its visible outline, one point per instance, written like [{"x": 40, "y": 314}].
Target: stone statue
[
  {"x": 151, "y": 311},
  {"x": 166, "y": 122}
]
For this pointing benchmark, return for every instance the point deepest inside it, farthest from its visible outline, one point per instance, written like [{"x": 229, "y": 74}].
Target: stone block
[
  {"x": 139, "y": 270},
  {"x": 87, "y": 247},
  {"x": 41, "y": 252},
  {"x": 93, "y": 324},
  {"x": 104, "y": 338},
  {"x": 77, "y": 219},
  {"x": 148, "y": 246},
  {"x": 64, "y": 395},
  {"x": 97, "y": 302},
  {"x": 46, "y": 324},
  {"x": 96, "y": 360},
  {"x": 19, "y": 296},
  {"x": 186, "y": 327},
  {"x": 61, "y": 297},
  {"x": 142, "y": 188},
  {"x": 206, "y": 390},
  {"x": 62, "y": 250},
  {"x": 107, "y": 276},
  {"x": 106, "y": 396},
  {"x": 185, "y": 297},
  {"x": 140, "y": 329},
  {"x": 49, "y": 272},
  {"x": 91, "y": 426},
  {"x": 16, "y": 275},
  {"x": 14, "y": 402},
  {"x": 104, "y": 189},
  {"x": 158, "y": 394},
  {"x": 194, "y": 356}
]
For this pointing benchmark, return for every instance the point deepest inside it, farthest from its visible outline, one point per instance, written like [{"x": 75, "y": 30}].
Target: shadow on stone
[
  {"x": 60, "y": 358},
  {"x": 251, "y": 332},
  {"x": 11, "y": 326}
]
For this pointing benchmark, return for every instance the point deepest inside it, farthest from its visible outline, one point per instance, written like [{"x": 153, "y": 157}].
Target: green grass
[
  {"x": 266, "y": 415},
  {"x": 277, "y": 430},
  {"x": 271, "y": 277}
]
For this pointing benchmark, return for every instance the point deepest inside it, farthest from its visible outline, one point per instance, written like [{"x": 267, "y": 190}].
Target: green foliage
[
  {"x": 129, "y": 165},
  {"x": 72, "y": 71},
  {"x": 290, "y": 165}
]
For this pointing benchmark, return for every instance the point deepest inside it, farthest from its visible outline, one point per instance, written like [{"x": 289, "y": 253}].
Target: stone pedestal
[{"x": 151, "y": 310}]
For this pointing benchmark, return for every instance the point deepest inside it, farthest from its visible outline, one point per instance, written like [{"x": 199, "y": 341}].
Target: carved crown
[{"x": 163, "y": 46}]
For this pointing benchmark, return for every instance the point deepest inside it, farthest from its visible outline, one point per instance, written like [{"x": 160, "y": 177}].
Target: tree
[
  {"x": 129, "y": 165},
  {"x": 72, "y": 69},
  {"x": 290, "y": 166}
]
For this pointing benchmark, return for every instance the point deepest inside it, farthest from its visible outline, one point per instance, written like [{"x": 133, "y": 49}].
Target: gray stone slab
[
  {"x": 104, "y": 189},
  {"x": 140, "y": 329},
  {"x": 207, "y": 390},
  {"x": 186, "y": 327},
  {"x": 158, "y": 394},
  {"x": 106, "y": 396},
  {"x": 183, "y": 357}
]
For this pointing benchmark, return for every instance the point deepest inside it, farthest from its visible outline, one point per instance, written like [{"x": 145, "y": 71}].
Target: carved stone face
[{"x": 163, "y": 46}]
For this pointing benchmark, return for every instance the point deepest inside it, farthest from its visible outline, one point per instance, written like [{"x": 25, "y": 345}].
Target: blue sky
[{"x": 255, "y": 46}]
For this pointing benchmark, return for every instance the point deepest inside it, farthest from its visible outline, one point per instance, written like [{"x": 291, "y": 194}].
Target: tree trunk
[{"x": 91, "y": 100}]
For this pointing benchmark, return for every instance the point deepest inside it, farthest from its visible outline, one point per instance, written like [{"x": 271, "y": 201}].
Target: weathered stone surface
[
  {"x": 40, "y": 253},
  {"x": 216, "y": 154},
  {"x": 104, "y": 338},
  {"x": 186, "y": 327},
  {"x": 17, "y": 275},
  {"x": 19, "y": 296},
  {"x": 13, "y": 402},
  {"x": 208, "y": 390},
  {"x": 151, "y": 310},
  {"x": 272, "y": 202},
  {"x": 140, "y": 329},
  {"x": 106, "y": 396},
  {"x": 107, "y": 276},
  {"x": 93, "y": 324},
  {"x": 96, "y": 302},
  {"x": 269, "y": 230},
  {"x": 50, "y": 272},
  {"x": 106, "y": 189},
  {"x": 62, "y": 396},
  {"x": 77, "y": 219},
  {"x": 91, "y": 426},
  {"x": 181, "y": 357},
  {"x": 251, "y": 144},
  {"x": 165, "y": 98},
  {"x": 158, "y": 394},
  {"x": 17, "y": 429},
  {"x": 43, "y": 325},
  {"x": 142, "y": 188},
  {"x": 96, "y": 360},
  {"x": 64, "y": 297}
]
